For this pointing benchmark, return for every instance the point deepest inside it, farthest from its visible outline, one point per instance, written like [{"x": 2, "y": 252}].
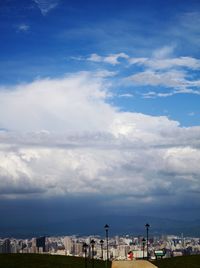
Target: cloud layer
[
  {"x": 176, "y": 75},
  {"x": 61, "y": 137}
]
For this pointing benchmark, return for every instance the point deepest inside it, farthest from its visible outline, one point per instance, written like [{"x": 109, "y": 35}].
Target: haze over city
[{"x": 99, "y": 116}]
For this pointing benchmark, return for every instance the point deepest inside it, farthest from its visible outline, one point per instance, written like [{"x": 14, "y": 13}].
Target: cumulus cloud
[
  {"x": 73, "y": 103},
  {"x": 64, "y": 138},
  {"x": 130, "y": 164}
]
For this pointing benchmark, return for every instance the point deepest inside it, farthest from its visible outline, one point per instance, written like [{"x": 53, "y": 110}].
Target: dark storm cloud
[{"x": 83, "y": 215}]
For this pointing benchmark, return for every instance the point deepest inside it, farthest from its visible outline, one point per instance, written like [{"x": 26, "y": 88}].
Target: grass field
[
  {"x": 49, "y": 261},
  {"x": 46, "y": 261},
  {"x": 180, "y": 262}
]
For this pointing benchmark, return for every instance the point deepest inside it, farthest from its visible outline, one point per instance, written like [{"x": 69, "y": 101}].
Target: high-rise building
[
  {"x": 40, "y": 244},
  {"x": 6, "y": 247},
  {"x": 1, "y": 246},
  {"x": 78, "y": 249},
  {"x": 68, "y": 244},
  {"x": 33, "y": 246}
]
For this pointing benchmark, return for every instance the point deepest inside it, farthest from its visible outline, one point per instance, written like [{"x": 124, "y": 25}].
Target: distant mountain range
[
  {"x": 119, "y": 225},
  {"x": 134, "y": 225}
]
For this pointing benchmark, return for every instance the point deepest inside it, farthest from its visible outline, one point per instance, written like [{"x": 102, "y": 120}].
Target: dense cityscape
[{"x": 119, "y": 247}]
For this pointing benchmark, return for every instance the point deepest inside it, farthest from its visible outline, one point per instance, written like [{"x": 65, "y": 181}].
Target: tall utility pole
[
  {"x": 85, "y": 246},
  {"x": 101, "y": 243},
  {"x": 92, "y": 244},
  {"x": 143, "y": 246},
  {"x": 106, "y": 227},
  {"x": 147, "y": 228}
]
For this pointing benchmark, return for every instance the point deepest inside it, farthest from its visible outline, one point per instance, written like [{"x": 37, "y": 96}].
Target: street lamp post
[
  {"x": 85, "y": 246},
  {"x": 92, "y": 242},
  {"x": 147, "y": 228},
  {"x": 106, "y": 227},
  {"x": 101, "y": 243},
  {"x": 143, "y": 246}
]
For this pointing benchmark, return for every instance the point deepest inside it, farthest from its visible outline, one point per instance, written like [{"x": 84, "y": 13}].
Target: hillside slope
[
  {"x": 180, "y": 262},
  {"x": 45, "y": 261},
  {"x": 49, "y": 261}
]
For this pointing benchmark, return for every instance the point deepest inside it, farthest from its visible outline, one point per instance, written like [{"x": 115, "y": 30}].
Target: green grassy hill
[
  {"x": 180, "y": 262},
  {"x": 49, "y": 261},
  {"x": 46, "y": 261}
]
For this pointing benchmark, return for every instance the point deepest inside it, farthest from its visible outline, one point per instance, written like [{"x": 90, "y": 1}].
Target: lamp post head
[
  {"x": 101, "y": 242},
  {"x": 143, "y": 241},
  {"x": 85, "y": 246},
  {"x": 92, "y": 242},
  {"x": 106, "y": 227},
  {"x": 147, "y": 225}
]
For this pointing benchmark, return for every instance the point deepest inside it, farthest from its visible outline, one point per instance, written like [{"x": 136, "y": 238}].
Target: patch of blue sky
[
  {"x": 177, "y": 107},
  {"x": 78, "y": 29}
]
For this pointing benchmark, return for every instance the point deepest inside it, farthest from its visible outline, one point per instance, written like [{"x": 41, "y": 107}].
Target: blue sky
[
  {"x": 98, "y": 95},
  {"x": 43, "y": 39}
]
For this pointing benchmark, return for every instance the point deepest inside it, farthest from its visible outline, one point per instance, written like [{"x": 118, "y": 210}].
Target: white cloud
[
  {"x": 46, "y": 5},
  {"x": 165, "y": 73},
  {"x": 67, "y": 139},
  {"x": 162, "y": 59},
  {"x": 68, "y": 104},
  {"x": 159, "y": 63},
  {"x": 192, "y": 114},
  {"x": 161, "y": 70},
  {"x": 96, "y": 58},
  {"x": 106, "y": 166},
  {"x": 126, "y": 95},
  {"x": 139, "y": 61},
  {"x": 105, "y": 73},
  {"x": 183, "y": 160},
  {"x": 153, "y": 94},
  {"x": 23, "y": 27},
  {"x": 114, "y": 58},
  {"x": 111, "y": 59},
  {"x": 163, "y": 52},
  {"x": 187, "y": 62},
  {"x": 174, "y": 79}
]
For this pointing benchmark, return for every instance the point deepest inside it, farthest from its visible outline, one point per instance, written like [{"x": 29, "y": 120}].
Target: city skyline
[
  {"x": 119, "y": 247},
  {"x": 99, "y": 114}
]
